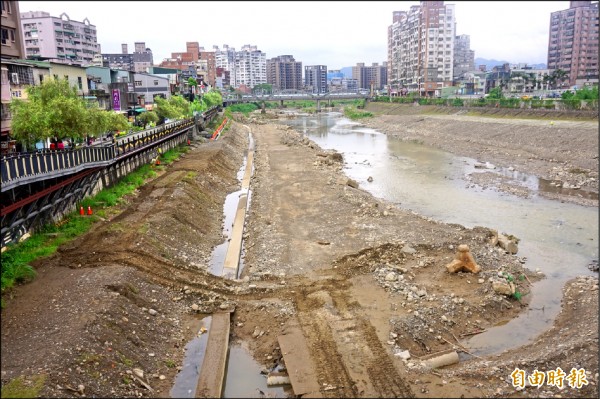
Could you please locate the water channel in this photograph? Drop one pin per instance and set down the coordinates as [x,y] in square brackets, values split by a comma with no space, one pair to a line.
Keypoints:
[559,239]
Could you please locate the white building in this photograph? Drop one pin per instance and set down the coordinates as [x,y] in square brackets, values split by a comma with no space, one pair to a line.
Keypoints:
[421,48]
[247,66]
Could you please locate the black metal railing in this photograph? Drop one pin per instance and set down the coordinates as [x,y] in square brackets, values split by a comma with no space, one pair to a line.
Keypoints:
[25,167]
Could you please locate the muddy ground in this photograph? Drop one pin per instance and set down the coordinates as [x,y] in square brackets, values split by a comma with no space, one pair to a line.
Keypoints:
[363,280]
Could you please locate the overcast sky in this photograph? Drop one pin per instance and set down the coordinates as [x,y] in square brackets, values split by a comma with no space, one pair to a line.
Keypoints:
[333,33]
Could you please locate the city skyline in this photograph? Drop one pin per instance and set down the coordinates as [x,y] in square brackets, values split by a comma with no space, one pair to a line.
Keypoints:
[336,34]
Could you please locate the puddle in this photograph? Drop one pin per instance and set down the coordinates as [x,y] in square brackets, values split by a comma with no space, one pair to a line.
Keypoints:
[244,379]
[217,259]
[187,379]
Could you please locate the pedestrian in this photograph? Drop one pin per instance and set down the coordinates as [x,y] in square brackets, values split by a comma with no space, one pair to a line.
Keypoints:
[61,145]
[52,145]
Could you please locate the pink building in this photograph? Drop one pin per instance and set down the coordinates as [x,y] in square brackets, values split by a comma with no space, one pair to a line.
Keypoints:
[573,42]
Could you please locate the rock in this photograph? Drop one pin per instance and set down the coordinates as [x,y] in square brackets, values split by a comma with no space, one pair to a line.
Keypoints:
[370,179]
[195,307]
[507,244]
[463,261]
[391,276]
[404,355]
[503,288]
[138,372]
[224,306]
[161,377]
[352,183]
[152,312]
[408,250]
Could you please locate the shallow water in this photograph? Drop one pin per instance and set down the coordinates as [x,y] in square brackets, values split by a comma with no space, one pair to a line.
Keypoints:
[559,239]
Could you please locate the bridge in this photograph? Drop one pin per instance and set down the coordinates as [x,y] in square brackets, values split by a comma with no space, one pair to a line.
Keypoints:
[295,96]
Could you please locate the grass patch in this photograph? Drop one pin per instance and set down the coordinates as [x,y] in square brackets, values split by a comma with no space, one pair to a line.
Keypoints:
[173,154]
[17,258]
[21,387]
[354,114]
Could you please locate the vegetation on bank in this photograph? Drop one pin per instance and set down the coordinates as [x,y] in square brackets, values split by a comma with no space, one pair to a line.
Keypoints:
[17,258]
[585,98]
[53,110]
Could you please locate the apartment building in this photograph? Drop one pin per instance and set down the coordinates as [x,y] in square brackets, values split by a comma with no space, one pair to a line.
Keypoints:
[139,61]
[250,66]
[208,62]
[58,39]
[421,48]
[370,77]
[573,42]
[315,78]
[464,57]
[12,38]
[225,59]
[284,73]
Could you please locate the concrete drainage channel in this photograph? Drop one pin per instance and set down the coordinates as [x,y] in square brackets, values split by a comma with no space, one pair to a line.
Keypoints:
[211,368]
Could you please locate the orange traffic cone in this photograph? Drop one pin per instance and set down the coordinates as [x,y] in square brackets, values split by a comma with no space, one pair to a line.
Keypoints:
[89,210]
[81,211]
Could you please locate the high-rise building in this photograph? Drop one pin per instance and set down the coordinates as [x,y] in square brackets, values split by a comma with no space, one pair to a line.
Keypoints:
[421,48]
[250,67]
[284,73]
[573,42]
[12,38]
[139,61]
[370,77]
[58,39]
[315,78]
[464,57]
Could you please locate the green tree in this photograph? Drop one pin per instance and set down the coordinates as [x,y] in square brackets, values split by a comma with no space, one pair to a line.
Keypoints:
[213,98]
[146,117]
[53,109]
[495,93]
[263,88]
[192,82]
[99,121]
[175,107]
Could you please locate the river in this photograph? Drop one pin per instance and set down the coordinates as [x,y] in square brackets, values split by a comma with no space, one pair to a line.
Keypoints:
[557,239]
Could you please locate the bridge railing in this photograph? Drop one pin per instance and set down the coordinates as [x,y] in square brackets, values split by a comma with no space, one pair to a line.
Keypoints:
[22,168]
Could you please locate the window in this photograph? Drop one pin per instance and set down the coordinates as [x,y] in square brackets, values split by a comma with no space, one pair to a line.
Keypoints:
[41,78]
[138,83]
[80,83]
[156,83]
[6,8]
[8,36]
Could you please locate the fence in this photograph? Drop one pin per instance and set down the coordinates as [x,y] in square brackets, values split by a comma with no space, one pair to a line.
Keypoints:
[22,168]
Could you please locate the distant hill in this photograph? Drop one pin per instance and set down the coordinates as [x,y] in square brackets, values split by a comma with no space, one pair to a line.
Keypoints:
[489,64]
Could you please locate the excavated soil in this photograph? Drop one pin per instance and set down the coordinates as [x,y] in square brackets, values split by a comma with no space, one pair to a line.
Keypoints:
[362,280]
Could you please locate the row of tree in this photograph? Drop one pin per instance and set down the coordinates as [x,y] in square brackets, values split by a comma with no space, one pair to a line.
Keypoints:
[53,109]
